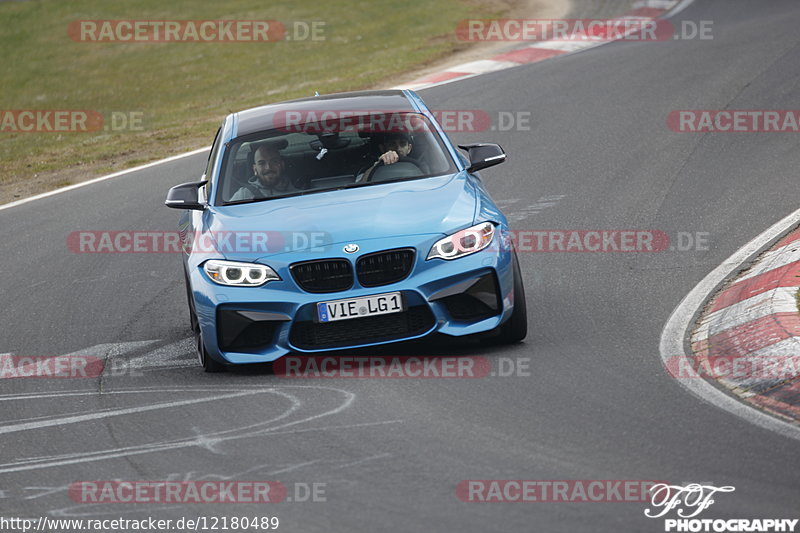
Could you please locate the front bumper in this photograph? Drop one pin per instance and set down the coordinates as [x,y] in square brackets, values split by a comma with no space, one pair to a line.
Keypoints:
[472,294]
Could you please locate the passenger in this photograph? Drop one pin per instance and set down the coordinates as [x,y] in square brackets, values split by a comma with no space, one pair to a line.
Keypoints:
[269,176]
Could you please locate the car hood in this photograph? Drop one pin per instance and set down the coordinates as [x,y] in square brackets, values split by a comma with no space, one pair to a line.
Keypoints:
[437,205]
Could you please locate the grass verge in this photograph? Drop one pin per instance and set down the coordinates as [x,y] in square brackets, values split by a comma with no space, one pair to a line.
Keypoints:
[181,90]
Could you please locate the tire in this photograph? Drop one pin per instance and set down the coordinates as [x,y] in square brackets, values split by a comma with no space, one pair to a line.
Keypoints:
[193,323]
[515,329]
[209,365]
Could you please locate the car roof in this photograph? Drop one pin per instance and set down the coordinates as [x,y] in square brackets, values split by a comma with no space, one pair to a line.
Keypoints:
[261,118]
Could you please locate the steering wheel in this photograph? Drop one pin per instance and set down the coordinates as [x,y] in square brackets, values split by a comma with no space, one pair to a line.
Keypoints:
[381,165]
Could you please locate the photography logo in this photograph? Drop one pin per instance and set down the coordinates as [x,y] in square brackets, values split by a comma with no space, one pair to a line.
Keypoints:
[691,500]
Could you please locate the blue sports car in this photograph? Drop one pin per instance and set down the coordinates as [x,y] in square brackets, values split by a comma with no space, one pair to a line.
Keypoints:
[343,221]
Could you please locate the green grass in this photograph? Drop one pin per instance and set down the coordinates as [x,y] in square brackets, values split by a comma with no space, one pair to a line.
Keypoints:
[797,300]
[183,90]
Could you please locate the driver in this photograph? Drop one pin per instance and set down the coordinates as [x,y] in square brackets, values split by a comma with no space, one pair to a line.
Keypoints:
[394,146]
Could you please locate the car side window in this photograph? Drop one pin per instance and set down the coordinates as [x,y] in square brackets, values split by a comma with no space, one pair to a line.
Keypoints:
[212,156]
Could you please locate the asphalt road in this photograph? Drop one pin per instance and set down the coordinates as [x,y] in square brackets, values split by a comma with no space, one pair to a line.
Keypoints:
[597,403]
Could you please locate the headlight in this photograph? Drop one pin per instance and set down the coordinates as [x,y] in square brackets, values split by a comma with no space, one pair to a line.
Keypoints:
[465,242]
[239,274]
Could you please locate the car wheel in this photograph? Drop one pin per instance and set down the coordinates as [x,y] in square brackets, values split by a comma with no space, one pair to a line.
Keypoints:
[208,364]
[516,328]
[192,315]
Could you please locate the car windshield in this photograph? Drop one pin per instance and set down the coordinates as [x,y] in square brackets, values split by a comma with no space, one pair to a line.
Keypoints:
[320,156]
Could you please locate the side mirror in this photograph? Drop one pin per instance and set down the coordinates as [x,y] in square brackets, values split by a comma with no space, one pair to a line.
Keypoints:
[483,155]
[185,196]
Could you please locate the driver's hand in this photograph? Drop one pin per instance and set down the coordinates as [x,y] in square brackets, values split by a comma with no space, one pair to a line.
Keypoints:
[389,157]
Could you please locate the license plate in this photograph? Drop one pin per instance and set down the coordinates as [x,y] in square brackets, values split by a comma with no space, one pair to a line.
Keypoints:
[379,304]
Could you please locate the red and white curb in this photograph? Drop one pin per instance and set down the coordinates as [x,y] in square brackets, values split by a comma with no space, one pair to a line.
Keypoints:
[643,10]
[755,320]
[683,322]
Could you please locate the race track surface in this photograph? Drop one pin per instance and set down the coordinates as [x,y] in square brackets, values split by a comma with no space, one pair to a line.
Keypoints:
[597,403]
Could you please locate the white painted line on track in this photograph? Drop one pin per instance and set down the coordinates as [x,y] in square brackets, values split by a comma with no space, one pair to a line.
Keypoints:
[103,178]
[565,46]
[262,428]
[680,7]
[682,319]
[658,4]
[483,66]
[108,413]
